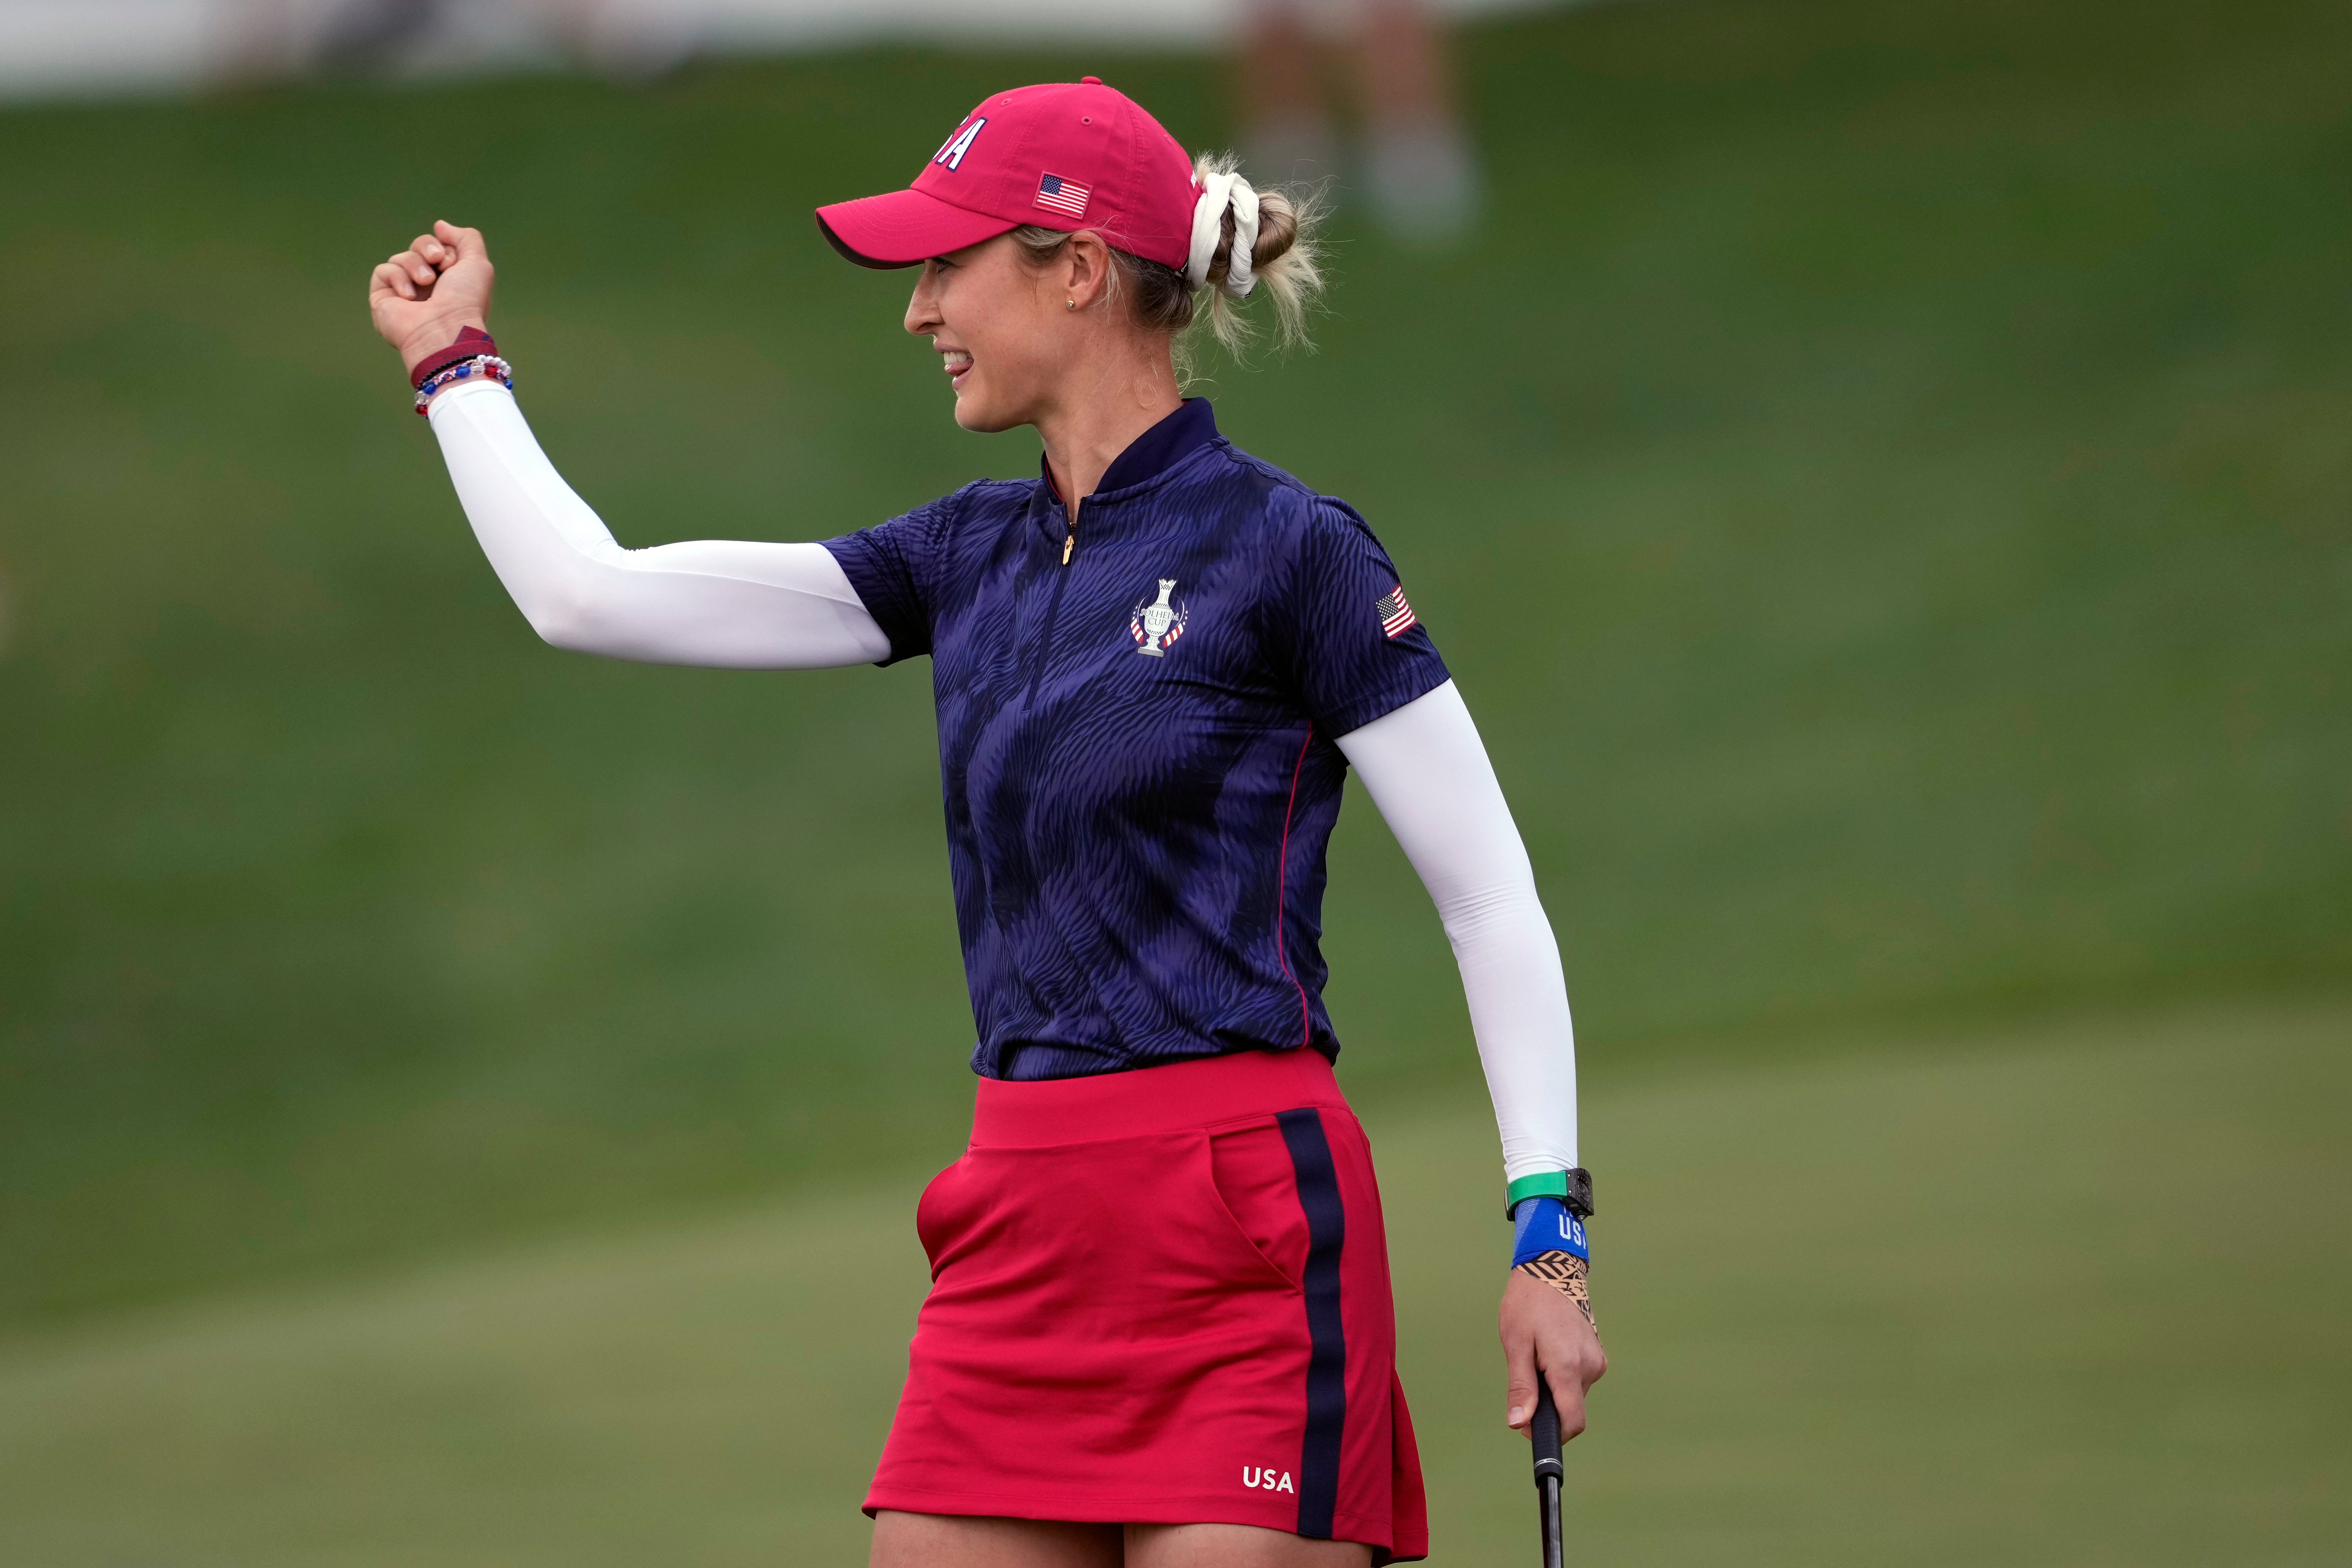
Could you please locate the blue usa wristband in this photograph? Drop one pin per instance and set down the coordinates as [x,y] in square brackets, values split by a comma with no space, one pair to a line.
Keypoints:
[1544,1224]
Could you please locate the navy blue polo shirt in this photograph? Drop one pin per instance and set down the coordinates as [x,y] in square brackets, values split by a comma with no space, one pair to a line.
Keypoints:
[1137,748]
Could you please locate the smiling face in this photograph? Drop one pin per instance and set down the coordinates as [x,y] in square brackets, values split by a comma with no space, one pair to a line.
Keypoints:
[1004,336]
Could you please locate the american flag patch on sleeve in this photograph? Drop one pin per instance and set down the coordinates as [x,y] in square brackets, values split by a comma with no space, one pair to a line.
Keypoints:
[1063,195]
[1396,616]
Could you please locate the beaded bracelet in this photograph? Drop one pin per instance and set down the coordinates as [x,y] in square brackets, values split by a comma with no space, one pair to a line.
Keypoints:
[486,366]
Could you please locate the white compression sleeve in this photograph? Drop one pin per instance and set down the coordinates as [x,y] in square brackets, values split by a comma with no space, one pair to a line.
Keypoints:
[1428,772]
[728,604]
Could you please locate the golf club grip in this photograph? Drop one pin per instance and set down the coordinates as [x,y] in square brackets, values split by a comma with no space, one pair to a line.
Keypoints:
[1545,1430]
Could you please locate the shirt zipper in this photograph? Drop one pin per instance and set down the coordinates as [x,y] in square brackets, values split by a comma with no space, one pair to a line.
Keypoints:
[1053,616]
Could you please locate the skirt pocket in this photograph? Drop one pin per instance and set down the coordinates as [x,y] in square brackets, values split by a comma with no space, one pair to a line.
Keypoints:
[943,1214]
[1256,1188]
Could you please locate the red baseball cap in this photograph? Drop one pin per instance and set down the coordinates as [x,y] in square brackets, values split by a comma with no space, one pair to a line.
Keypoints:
[1063,155]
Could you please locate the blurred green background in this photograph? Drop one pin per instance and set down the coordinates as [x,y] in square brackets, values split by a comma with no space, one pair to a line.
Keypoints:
[1881,475]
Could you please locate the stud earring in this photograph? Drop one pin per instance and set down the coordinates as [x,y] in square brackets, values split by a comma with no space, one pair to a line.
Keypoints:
[1073,304]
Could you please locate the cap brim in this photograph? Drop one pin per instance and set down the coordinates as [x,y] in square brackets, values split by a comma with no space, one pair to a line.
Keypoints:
[904,228]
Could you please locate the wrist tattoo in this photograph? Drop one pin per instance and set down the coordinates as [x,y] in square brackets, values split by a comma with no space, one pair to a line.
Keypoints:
[1566,1273]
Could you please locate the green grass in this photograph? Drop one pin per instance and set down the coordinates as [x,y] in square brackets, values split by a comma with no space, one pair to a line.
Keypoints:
[1880,478]
[2068,1295]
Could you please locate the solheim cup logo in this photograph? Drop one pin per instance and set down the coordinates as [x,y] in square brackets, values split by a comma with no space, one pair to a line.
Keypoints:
[1157,624]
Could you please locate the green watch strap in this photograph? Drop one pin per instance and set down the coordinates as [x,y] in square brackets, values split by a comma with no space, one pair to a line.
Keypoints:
[1574,1188]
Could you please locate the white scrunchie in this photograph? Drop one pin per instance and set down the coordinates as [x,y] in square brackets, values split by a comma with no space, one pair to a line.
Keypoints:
[1217,193]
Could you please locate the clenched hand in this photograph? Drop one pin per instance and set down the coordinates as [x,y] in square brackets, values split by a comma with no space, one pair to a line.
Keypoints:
[422,297]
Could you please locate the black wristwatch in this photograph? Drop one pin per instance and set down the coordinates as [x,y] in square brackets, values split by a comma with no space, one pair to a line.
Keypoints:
[1574,1188]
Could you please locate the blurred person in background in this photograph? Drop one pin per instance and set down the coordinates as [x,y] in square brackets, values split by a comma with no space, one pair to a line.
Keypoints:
[1160,1330]
[260,40]
[360,34]
[1417,163]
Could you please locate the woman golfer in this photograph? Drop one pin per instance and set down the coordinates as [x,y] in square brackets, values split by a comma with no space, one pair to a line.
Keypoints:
[1160,1330]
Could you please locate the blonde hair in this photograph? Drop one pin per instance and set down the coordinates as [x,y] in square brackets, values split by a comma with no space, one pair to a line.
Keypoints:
[1285,261]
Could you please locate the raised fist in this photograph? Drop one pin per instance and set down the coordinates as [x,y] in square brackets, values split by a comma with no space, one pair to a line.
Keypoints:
[424,296]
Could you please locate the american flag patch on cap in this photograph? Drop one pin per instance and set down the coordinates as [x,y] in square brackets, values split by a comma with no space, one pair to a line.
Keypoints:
[1396,616]
[1063,195]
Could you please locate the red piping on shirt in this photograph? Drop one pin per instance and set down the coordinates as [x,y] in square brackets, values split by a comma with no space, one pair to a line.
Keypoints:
[1282,891]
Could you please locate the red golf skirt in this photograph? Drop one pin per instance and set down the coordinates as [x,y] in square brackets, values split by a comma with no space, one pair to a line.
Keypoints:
[1161,1297]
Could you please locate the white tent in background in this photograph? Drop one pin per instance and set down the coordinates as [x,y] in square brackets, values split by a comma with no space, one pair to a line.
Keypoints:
[86,47]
